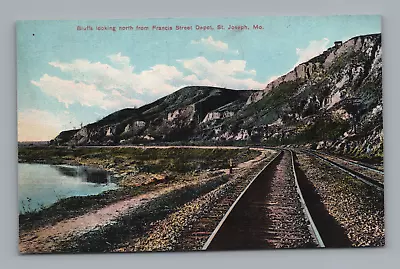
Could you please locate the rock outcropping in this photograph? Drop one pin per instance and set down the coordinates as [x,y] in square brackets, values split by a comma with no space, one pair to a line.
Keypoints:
[175,117]
[333,101]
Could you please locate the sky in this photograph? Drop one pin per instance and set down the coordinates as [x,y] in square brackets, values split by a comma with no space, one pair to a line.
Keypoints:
[68,77]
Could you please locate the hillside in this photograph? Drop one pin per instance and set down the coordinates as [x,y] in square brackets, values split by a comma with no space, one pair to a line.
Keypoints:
[333,101]
[175,117]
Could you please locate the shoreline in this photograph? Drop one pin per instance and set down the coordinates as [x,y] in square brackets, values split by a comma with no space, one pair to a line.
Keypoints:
[86,223]
[78,205]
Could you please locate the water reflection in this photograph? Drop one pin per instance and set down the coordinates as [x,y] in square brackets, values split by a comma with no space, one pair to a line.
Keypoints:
[87,174]
[67,170]
[41,185]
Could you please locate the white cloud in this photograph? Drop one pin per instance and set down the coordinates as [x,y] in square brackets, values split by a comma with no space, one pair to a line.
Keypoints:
[96,84]
[222,73]
[102,75]
[158,80]
[69,92]
[214,44]
[41,125]
[118,101]
[273,78]
[118,59]
[107,77]
[314,48]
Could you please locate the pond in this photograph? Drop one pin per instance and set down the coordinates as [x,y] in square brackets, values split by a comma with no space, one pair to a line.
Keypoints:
[41,185]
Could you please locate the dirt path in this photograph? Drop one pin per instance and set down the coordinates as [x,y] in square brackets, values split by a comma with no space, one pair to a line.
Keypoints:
[264,153]
[46,239]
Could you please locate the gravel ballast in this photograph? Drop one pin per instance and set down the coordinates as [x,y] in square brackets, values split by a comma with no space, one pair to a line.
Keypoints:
[357,207]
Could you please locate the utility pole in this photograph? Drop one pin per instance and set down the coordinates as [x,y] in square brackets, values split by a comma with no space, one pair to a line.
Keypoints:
[133,123]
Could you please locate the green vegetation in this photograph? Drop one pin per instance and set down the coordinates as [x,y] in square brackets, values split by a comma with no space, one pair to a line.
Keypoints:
[374,157]
[140,170]
[322,130]
[269,108]
[326,129]
[75,206]
[154,160]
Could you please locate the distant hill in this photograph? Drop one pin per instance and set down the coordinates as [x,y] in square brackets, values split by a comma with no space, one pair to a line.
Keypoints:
[32,143]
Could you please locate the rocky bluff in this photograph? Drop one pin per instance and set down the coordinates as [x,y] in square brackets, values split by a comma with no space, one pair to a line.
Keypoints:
[332,101]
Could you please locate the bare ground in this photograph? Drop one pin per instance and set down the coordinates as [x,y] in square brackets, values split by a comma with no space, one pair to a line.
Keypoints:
[357,207]
[66,235]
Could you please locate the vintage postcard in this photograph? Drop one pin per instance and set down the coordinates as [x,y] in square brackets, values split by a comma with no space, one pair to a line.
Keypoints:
[188,134]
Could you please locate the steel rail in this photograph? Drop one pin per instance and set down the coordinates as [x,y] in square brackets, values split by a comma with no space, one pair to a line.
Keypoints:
[367,180]
[312,227]
[214,233]
[352,162]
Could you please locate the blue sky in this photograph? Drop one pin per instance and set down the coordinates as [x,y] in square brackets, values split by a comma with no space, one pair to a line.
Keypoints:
[68,77]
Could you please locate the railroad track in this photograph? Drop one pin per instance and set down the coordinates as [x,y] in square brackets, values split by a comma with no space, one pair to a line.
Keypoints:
[365,166]
[269,213]
[364,178]
[198,232]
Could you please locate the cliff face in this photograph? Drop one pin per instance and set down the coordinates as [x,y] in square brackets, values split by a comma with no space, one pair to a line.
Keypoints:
[333,101]
[303,71]
[175,117]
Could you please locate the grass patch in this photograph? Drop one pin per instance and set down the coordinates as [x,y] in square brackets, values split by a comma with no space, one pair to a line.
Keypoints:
[154,160]
[131,164]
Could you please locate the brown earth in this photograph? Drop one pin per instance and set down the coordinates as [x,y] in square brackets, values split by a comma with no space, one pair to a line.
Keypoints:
[49,237]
